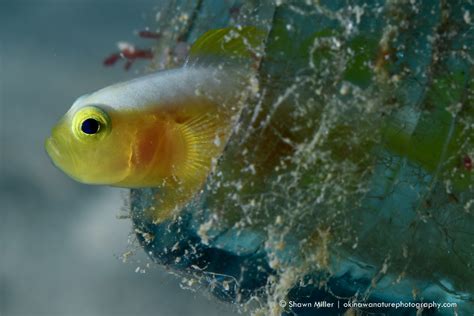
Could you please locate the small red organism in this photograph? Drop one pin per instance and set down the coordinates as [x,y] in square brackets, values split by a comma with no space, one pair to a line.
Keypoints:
[467,162]
[112,59]
[128,52]
[131,53]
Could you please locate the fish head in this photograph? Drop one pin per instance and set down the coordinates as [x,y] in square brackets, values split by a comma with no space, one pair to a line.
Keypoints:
[85,145]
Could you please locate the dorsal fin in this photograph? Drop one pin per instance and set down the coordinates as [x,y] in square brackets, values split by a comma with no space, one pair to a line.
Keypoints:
[239,44]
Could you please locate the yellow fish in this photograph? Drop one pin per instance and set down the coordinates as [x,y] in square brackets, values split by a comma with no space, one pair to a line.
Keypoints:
[162,130]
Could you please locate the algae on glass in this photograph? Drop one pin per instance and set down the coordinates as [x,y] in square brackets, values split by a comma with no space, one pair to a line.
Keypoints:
[348,176]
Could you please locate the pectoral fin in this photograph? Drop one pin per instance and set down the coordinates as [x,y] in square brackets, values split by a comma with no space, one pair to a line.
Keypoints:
[204,134]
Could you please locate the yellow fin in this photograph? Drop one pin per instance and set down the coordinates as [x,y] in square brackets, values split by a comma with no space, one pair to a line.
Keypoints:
[205,136]
[234,42]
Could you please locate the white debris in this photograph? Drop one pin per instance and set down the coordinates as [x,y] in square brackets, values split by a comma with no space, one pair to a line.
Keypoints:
[202,232]
[344,88]
[358,12]
[217,141]
[467,17]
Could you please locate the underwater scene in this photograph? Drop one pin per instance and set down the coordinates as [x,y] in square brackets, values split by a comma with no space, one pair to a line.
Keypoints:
[305,157]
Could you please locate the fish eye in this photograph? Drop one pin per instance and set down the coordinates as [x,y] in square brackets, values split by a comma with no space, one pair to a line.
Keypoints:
[91,123]
[90,126]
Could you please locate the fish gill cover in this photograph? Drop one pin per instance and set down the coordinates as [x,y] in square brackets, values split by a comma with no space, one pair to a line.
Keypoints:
[348,178]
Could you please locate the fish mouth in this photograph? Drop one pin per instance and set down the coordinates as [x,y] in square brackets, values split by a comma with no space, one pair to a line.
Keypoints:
[51,148]
[55,153]
[61,160]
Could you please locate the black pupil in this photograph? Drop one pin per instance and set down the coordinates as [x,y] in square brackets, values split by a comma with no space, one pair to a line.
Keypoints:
[90,126]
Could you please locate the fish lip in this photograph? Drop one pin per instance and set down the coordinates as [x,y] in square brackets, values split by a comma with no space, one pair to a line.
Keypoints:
[52,148]
[57,157]
[54,152]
